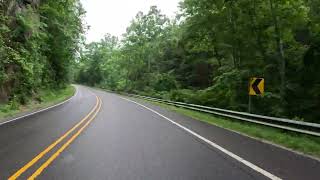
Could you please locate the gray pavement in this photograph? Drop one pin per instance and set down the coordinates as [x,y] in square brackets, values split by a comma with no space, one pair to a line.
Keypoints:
[127,141]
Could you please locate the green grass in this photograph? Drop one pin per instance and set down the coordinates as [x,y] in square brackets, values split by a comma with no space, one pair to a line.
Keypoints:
[306,144]
[45,98]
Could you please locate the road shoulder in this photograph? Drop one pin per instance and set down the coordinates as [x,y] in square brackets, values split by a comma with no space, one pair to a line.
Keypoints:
[276,160]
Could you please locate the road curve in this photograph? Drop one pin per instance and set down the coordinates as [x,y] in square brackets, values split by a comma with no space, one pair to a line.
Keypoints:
[103,136]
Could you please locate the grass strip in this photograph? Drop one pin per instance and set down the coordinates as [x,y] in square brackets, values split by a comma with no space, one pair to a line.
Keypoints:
[45,98]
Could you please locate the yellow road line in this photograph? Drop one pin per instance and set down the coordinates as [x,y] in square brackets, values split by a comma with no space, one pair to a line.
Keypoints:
[44,152]
[57,153]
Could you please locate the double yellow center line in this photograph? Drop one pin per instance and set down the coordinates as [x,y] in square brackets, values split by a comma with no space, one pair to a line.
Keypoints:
[83,123]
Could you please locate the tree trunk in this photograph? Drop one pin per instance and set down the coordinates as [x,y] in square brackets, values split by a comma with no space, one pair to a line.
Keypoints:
[257,32]
[282,61]
[235,53]
[217,55]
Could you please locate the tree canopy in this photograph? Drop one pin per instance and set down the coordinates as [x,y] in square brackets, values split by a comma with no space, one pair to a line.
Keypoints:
[207,54]
[38,44]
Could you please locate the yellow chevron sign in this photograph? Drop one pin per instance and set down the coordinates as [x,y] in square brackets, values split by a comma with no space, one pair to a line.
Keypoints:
[256,86]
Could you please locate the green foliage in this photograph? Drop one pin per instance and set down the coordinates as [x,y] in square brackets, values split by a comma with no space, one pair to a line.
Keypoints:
[44,98]
[163,82]
[207,54]
[38,44]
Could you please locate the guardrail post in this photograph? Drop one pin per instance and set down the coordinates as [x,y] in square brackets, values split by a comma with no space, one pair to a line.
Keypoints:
[249,104]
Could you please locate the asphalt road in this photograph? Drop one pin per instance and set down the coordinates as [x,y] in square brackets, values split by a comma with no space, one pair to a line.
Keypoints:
[99,135]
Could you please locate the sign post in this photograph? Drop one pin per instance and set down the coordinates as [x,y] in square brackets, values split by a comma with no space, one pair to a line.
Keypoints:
[256,87]
[249,104]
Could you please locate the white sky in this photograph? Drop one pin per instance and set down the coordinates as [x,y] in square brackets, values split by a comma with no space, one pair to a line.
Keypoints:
[114,16]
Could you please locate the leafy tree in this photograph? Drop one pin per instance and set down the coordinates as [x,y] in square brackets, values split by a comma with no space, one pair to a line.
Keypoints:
[38,43]
[208,52]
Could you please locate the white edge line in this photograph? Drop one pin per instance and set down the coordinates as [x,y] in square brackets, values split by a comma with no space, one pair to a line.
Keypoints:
[41,110]
[234,156]
[254,138]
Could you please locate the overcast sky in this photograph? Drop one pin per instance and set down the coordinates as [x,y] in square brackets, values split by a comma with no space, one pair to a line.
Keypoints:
[114,16]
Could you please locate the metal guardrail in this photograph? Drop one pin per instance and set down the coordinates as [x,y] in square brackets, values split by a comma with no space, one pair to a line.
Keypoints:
[280,123]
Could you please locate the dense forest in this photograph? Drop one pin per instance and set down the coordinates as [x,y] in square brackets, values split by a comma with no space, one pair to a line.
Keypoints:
[204,55]
[38,44]
[208,52]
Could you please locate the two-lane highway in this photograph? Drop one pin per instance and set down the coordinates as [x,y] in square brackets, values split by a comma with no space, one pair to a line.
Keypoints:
[25,141]
[99,135]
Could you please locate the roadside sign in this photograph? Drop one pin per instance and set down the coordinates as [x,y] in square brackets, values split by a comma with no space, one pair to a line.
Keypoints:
[256,86]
